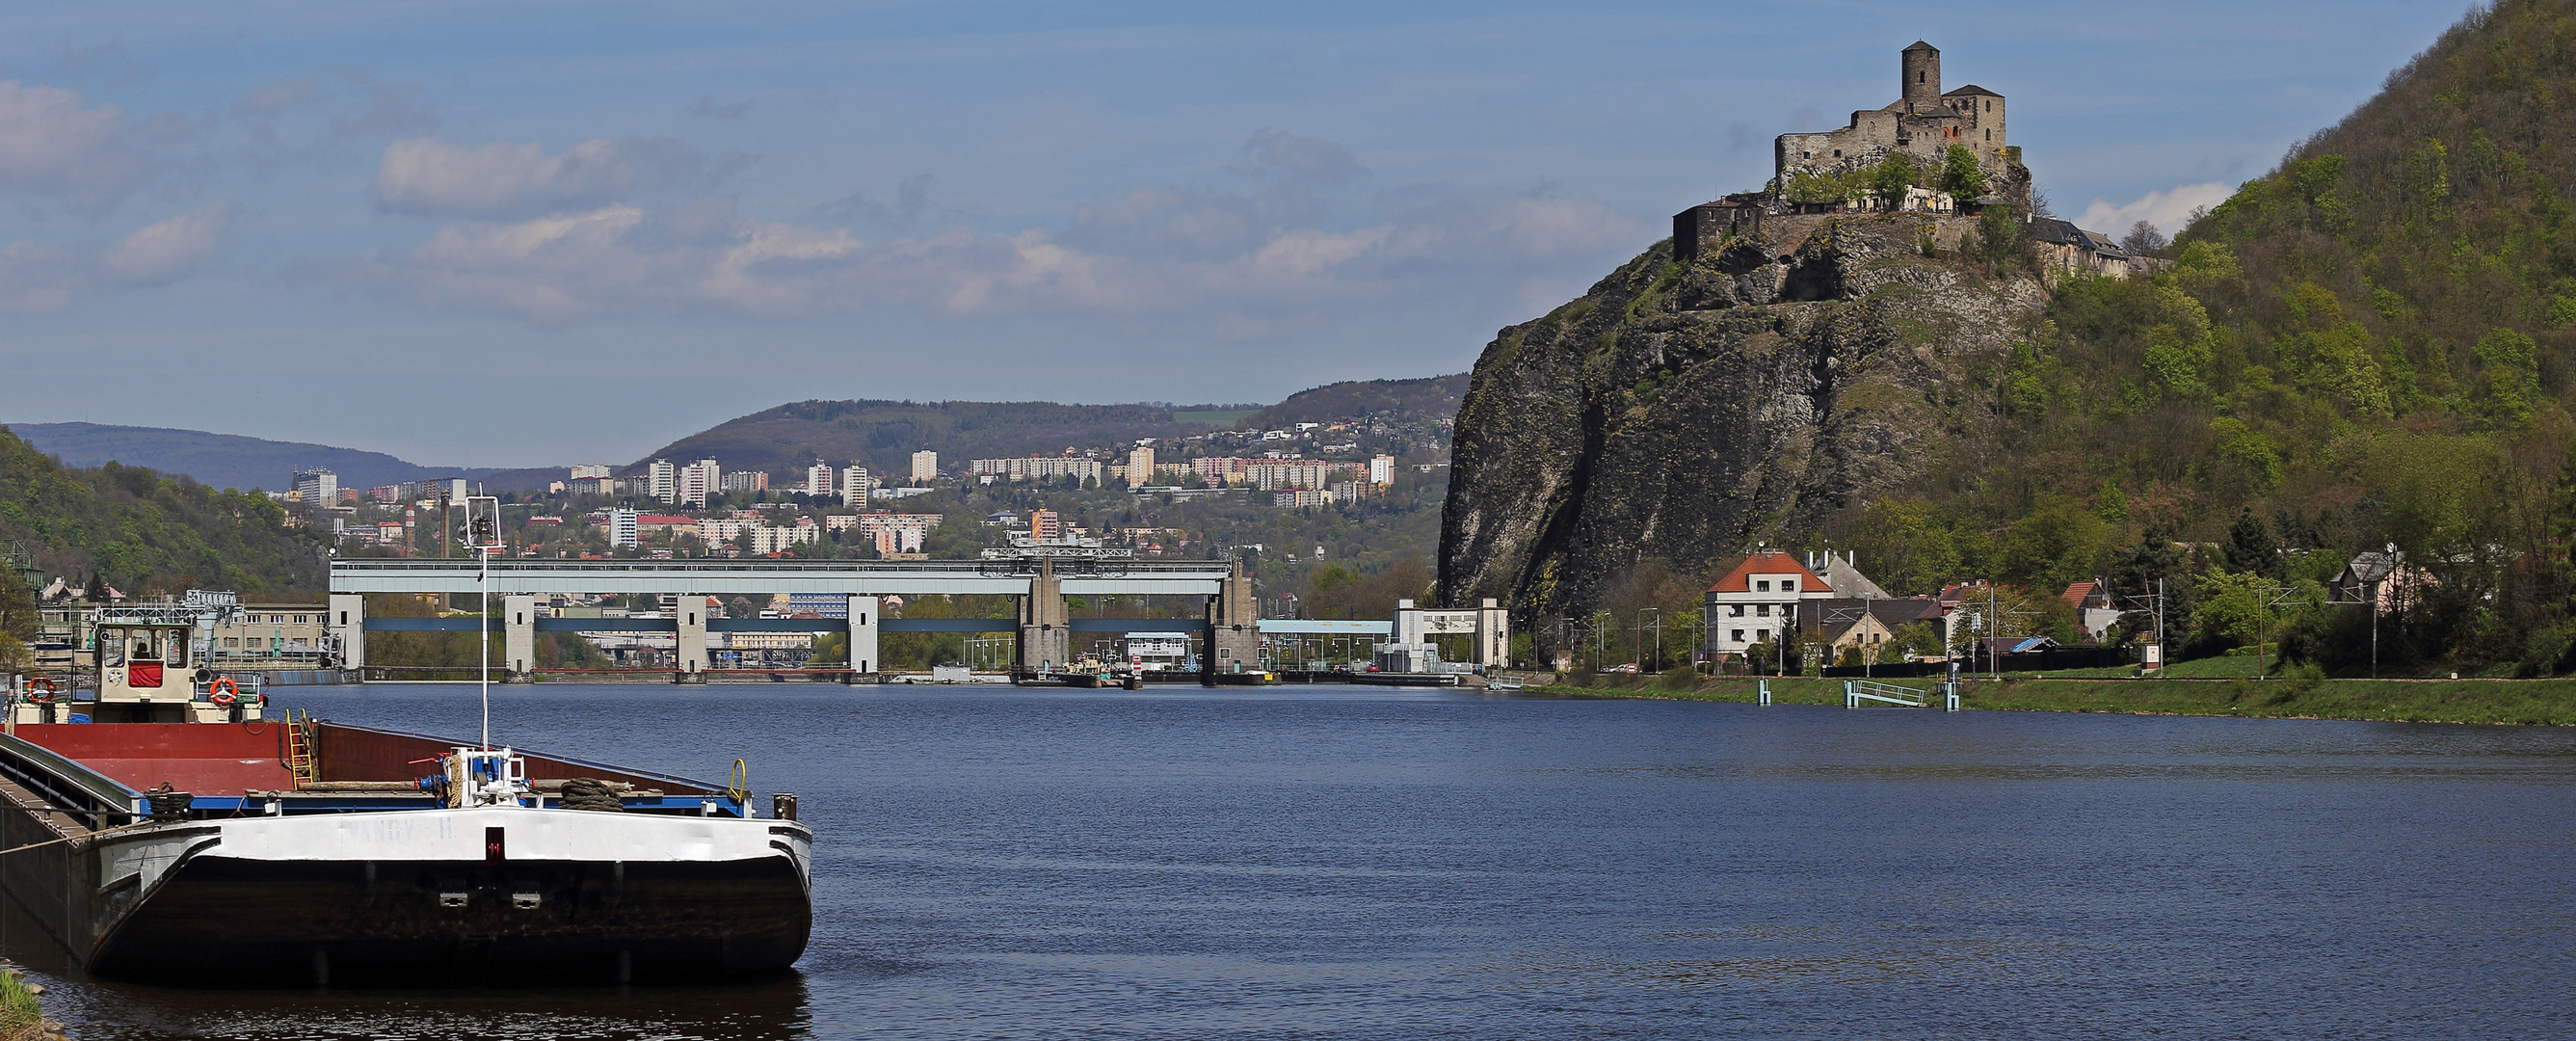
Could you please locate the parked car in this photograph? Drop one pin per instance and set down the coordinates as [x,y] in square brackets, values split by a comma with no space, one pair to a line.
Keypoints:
[1630,668]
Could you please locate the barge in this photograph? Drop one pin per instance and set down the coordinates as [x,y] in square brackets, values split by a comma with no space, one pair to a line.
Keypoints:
[171,831]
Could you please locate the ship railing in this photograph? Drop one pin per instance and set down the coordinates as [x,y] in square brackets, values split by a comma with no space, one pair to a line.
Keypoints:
[92,798]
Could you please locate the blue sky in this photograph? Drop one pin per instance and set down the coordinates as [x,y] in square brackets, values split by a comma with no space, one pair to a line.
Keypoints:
[529,234]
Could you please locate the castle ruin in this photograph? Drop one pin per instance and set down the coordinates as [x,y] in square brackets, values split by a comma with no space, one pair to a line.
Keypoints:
[1923,123]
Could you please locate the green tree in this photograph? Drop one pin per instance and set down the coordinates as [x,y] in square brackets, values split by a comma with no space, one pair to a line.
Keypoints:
[2250,546]
[2057,544]
[17,620]
[2513,375]
[1961,177]
[1891,178]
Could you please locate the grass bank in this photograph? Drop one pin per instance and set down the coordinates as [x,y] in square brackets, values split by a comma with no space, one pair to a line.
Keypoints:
[2537,702]
[21,1018]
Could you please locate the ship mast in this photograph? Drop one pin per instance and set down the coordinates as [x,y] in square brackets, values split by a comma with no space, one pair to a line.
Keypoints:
[484,541]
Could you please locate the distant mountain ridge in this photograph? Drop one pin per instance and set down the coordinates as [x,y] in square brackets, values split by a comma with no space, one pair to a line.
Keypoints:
[225,460]
[782,440]
[884,434]
[1354,398]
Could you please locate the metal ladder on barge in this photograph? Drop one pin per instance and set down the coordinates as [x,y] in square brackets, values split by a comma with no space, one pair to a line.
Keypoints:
[300,761]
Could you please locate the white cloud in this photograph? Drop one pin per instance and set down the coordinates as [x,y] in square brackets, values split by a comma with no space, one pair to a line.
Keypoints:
[52,141]
[428,175]
[47,276]
[165,250]
[2167,210]
[560,268]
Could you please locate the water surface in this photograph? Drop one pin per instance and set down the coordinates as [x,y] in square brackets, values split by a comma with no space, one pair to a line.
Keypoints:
[1321,862]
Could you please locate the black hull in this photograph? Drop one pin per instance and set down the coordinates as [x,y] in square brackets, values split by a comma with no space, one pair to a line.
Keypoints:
[229,922]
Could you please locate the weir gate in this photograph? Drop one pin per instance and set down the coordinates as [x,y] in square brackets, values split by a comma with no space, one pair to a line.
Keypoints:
[1230,624]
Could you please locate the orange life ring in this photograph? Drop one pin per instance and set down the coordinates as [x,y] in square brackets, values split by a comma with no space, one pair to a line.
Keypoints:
[223,692]
[40,689]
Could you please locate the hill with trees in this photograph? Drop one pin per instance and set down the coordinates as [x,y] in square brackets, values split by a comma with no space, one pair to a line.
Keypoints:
[144,532]
[2372,344]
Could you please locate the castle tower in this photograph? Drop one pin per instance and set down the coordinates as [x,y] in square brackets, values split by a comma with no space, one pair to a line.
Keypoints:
[1922,86]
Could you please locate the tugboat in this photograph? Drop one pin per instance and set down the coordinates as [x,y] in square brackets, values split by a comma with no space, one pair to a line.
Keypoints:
[169,831]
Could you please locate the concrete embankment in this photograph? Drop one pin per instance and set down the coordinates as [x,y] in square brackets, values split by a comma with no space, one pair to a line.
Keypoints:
[2528,702]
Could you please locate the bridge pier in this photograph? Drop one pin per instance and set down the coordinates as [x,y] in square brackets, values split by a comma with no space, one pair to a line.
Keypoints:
[1233,628]
[1046,633]
[690,654]
[863,637]
[518,639]
[348,621]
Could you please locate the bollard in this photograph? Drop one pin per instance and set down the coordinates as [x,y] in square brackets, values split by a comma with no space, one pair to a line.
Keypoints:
[782,805]
[1766,691]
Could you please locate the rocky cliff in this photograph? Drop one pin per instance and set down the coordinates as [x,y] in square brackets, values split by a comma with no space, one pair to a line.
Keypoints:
[1689,411]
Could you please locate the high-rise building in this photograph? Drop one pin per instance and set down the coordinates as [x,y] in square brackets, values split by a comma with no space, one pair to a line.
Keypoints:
[317,487]
[855,485]
[744,481]
[818,479]
[925,466]
[661,481]
[1382,470]
[621,530]
[698,482]
[1140,466]
[589,471]
[1044,524]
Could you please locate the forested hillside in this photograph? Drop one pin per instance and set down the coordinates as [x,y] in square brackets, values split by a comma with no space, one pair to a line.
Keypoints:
[144,532]
[2372,344]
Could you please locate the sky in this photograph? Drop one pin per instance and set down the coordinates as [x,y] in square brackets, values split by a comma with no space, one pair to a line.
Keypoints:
[523,234]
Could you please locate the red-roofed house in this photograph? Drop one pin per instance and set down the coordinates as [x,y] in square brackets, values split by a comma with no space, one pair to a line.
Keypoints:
[2093,608]
[1758,599]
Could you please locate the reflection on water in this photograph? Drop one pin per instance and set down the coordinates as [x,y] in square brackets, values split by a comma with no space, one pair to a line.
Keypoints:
[1365,862]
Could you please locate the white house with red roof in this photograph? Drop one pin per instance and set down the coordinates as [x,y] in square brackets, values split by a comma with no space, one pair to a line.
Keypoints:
[1758,600]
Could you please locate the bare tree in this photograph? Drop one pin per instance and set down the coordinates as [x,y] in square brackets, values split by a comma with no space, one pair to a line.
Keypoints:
[2142,239]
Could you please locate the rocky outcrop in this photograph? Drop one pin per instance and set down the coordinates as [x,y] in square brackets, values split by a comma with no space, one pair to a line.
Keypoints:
[1688,412]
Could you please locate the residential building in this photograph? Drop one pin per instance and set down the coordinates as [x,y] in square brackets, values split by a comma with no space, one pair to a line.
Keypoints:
[1140,465]
[1219,469]
[385,494]
[1381,470]
[1757,601]
[317,487]
[623,531]
[697,482]
[818,605]
[1038,468]
[589,471]
[736,482]
[600,486]
[1842,576]
[1044,524]
[1846,622]
[925,466]
[1294,497]
[661,480]
[819,479]
[855,485]
[2094,610]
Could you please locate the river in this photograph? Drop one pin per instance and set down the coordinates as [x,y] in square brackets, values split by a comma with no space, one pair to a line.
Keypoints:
[1359,862]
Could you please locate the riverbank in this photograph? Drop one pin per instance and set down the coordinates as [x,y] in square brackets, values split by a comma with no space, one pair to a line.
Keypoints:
[2525,702]
[21,1018]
